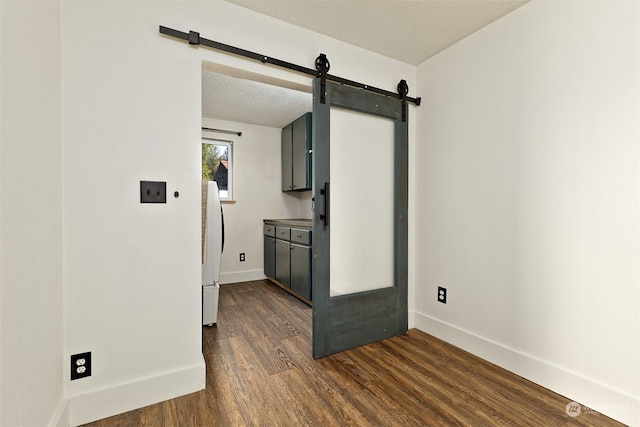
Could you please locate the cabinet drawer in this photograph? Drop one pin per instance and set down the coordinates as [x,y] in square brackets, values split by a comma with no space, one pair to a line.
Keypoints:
[299,235]
[269,230]
[283,233]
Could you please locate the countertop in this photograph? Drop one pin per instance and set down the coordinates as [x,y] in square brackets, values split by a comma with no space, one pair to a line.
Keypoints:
[294,222]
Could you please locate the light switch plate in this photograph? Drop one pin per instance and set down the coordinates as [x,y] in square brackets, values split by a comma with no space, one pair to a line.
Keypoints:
[153,192]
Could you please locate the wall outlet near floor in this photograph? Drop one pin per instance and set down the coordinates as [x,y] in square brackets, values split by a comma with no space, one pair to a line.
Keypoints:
[80,365]
[442,294]
[241,256]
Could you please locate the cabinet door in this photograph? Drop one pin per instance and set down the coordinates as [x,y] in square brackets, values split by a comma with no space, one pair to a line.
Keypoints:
[287,157]
[269,256]
[301,270]
[283,263]
[300,148]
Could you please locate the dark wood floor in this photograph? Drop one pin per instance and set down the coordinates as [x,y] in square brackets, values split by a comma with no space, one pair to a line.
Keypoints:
[260,373]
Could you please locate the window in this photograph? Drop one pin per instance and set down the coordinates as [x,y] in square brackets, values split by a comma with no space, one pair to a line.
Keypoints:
[217,157]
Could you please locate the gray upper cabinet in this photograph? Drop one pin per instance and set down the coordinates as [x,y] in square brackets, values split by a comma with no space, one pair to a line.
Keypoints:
[301,147]
[287,158]
[296,155]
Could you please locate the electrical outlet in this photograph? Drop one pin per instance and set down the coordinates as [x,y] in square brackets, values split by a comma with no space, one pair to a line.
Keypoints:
[442,294]
[80,365]
[241,256]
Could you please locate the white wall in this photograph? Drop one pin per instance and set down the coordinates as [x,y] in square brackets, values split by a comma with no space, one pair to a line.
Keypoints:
[132,283]
[257,193]
[30,214]
[527,198]
[131,102]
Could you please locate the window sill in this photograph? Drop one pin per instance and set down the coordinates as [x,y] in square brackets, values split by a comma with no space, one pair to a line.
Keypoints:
[228,202]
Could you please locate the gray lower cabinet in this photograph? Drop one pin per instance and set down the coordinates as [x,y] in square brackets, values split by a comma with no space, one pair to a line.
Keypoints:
[301,270]
[287,258]
[269,256]
[283,262]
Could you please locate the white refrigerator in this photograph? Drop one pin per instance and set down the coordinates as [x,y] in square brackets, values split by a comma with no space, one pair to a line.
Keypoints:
[212,246]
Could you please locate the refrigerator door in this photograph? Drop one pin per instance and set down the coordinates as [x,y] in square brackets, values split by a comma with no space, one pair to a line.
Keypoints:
[212,237]
[212,252]
[210,295]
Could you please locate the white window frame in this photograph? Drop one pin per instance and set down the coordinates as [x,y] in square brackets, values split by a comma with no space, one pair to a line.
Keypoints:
[225,196]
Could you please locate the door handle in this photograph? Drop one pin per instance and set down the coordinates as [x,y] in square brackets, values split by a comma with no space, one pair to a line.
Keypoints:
[324,216]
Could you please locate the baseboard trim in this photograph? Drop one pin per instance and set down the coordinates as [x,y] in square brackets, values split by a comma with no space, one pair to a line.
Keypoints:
[613,403]
[411,320]
[106,402]
[61,416]
[241,276]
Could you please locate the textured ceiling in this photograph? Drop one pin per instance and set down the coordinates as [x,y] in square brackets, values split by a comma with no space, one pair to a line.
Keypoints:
[243,99]
[408,30]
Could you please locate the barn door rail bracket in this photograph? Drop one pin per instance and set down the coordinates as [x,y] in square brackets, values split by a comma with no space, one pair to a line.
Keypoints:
[403,89]
[193,38]
[322,67]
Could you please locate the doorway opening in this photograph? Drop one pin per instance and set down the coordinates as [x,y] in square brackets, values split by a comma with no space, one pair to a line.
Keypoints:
[339,311]
[248,111]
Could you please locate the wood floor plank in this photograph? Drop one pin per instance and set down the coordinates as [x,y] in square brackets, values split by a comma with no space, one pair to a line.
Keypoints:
[439,386]
[336,407]
[260,373]
[425,406]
